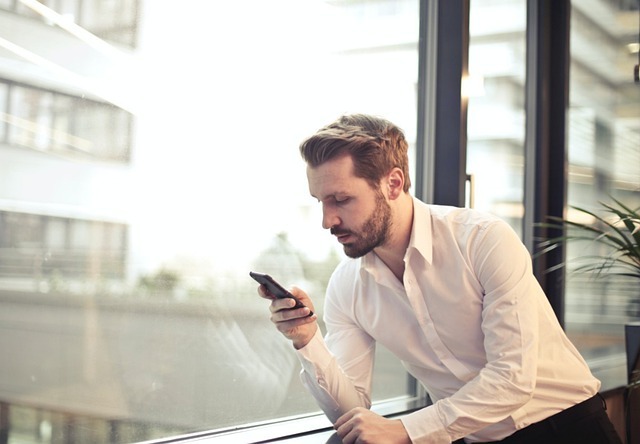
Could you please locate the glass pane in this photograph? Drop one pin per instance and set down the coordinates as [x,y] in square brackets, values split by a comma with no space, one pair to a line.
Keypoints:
[69,125]
[112,20]
[152,325]
[23,9]
[56,233]
[21,253]
[99,130]
[68,9]
[604,163]
[30,118]
[495,90]
[4,116]
[63,138]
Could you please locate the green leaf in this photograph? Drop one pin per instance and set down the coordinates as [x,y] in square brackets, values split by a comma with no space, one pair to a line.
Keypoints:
[617,232]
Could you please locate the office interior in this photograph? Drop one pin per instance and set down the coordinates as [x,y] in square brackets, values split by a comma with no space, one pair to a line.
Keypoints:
[149,160]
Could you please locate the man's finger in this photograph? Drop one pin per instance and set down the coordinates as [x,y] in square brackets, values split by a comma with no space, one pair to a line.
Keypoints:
[264,293]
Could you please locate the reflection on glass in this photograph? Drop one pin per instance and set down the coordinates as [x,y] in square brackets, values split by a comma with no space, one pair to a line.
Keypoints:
[604,162]
[138,186]
[496,130]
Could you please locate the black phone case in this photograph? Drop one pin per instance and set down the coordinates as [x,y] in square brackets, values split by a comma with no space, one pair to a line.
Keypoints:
[275,288]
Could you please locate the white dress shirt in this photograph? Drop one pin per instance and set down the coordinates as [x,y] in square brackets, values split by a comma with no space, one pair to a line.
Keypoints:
[469,321]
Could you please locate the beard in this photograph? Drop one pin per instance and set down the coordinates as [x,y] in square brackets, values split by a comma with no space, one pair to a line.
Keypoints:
[374,231]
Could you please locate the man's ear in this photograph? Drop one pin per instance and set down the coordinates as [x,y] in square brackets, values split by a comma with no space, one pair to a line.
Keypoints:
[395,183]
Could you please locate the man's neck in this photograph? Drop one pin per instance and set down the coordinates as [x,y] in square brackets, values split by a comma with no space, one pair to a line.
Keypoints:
[393,251]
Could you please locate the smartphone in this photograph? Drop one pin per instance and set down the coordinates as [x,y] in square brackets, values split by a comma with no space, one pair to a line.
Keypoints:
[275,288]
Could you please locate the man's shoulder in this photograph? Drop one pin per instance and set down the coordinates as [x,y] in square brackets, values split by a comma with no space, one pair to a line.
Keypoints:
[459,223]
[459,215]
[347,268]
[352,273]
[343,280]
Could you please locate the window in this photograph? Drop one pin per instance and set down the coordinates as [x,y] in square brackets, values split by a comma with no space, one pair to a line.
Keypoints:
[50,121]
[30,118]
[100,130]
[153,326]
[603,138]
[126,237]
[604,162]
[496,119]
[112,20]
[45,252]
[3,111]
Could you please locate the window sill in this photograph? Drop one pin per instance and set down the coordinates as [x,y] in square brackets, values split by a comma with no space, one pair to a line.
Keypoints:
[314,428]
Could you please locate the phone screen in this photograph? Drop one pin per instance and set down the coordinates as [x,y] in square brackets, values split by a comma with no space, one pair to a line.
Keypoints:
[275,288]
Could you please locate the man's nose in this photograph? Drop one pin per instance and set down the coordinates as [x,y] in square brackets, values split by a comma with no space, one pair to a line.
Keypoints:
[329,218]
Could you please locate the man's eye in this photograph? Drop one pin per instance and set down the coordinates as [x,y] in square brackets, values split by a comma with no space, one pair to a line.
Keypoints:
[342,200]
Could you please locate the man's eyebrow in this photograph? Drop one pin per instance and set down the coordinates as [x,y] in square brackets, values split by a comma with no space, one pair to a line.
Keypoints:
[328,196]
[334,196]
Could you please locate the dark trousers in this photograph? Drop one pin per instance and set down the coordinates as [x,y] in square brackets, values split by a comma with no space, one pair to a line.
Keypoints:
[584,423]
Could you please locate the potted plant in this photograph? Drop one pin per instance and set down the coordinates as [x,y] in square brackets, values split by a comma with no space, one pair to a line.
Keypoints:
[614,238]
[617,231]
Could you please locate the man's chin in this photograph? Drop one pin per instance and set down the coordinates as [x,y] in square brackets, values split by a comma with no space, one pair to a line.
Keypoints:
[354,252]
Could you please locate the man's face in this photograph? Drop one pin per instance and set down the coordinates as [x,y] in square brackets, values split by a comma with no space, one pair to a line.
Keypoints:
[356,214]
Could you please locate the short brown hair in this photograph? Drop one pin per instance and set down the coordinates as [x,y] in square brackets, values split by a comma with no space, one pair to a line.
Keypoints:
[375,145]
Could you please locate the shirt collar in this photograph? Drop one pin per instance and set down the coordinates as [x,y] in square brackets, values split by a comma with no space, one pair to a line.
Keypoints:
[421,231]
[421,239]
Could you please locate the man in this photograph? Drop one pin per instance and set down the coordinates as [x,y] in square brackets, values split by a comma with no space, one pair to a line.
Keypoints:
[449,291]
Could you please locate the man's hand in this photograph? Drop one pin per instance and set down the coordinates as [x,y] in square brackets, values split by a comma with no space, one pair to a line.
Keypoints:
[360,425]
[296,324]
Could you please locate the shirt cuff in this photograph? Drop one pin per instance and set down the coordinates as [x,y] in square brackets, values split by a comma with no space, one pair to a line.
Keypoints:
[315,356]
[424,426]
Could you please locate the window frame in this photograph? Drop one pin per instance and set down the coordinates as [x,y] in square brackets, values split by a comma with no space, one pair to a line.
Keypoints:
[442,61]
[441,147]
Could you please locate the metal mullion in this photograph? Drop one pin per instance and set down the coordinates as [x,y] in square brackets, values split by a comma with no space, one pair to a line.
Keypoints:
[441,128]
[547,92]
[441,143]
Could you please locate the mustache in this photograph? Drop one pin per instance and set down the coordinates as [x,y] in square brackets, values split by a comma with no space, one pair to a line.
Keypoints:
[339,231]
